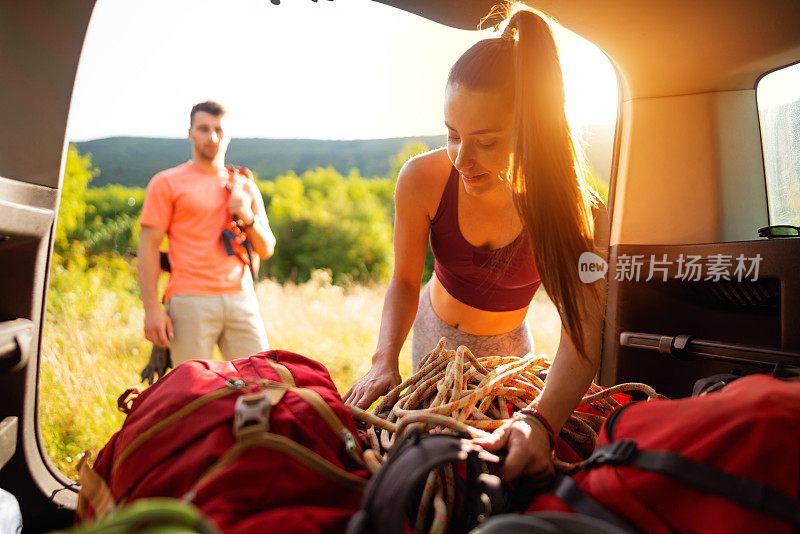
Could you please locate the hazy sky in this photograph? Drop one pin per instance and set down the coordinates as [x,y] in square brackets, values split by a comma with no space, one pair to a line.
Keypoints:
[347,69]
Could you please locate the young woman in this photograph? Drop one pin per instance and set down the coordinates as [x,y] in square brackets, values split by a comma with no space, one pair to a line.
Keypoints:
[507,208]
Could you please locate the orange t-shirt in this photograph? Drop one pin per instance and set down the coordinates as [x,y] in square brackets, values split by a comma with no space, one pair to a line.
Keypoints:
[191,206]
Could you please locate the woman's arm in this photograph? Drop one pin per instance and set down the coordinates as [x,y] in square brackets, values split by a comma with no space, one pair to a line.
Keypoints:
[567,382]
[412,222]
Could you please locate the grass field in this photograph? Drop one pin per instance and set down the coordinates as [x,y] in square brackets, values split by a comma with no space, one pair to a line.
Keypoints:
[93,347]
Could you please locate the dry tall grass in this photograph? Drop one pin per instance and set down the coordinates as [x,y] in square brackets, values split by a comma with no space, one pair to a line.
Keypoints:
[93,346]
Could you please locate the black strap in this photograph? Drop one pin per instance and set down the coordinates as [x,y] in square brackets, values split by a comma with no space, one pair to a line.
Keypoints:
[786,371]
[228,237]
[393,490]
[703,477]
[249,248]
[712,383]
[573,496]
[782,370]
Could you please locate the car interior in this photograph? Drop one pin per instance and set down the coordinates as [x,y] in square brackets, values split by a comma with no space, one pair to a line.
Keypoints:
[688,182]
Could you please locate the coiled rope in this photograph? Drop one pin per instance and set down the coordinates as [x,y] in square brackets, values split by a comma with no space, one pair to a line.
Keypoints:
[456,391]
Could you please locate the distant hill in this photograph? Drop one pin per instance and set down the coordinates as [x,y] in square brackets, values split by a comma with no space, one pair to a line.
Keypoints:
[132,161]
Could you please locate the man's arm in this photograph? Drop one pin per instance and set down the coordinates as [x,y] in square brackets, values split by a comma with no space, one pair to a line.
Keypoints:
[157,324]
[246,202]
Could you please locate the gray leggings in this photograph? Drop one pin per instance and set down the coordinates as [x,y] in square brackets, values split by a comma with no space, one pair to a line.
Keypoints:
[429,328]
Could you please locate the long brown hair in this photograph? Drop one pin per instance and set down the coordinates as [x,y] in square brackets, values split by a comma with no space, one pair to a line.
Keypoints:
[548,178]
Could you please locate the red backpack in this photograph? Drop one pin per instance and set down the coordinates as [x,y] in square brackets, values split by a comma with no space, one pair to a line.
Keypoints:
[257,444]
[728,461]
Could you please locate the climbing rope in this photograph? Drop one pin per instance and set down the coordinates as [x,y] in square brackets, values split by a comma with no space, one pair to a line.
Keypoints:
[456,391]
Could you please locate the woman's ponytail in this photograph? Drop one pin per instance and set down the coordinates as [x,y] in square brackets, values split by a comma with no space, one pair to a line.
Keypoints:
[548,180]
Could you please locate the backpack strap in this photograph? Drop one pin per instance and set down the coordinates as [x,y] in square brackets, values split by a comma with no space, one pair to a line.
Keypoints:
[240,170]
[566,489]
[394,489]
[745,492]
[94,491]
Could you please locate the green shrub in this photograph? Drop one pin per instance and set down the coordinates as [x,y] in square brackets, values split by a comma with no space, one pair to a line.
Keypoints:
[324,220]
[78,172]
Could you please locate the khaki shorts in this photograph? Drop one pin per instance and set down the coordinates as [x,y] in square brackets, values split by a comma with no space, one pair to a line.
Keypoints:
[201,321]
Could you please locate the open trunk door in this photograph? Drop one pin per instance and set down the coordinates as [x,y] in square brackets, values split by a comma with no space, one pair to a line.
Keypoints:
[40,44]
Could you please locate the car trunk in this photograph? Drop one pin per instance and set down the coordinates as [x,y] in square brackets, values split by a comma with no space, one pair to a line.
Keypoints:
[687,179]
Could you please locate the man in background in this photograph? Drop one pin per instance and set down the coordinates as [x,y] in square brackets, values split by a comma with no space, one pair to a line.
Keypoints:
[209,298]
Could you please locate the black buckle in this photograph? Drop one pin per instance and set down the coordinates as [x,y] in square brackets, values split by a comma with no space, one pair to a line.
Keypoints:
[616,453]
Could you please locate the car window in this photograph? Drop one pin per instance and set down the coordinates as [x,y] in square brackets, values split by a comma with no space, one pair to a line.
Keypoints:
[778,95]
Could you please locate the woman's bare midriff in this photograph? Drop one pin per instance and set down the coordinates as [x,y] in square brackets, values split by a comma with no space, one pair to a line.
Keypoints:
[472,320]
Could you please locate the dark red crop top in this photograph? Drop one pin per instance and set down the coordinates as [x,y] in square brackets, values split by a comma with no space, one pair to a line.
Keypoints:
[493,280]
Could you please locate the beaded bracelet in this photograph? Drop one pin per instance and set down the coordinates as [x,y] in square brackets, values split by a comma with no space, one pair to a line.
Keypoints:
[532,413]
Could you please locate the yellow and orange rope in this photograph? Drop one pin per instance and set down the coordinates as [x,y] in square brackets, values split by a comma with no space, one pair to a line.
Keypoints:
[454,390]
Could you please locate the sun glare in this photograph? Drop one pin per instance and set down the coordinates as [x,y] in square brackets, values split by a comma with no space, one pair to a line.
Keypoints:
[355,74]
[590,82]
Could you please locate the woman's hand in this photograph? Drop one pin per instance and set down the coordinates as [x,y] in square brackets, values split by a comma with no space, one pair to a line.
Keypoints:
[528,449]
[378,381]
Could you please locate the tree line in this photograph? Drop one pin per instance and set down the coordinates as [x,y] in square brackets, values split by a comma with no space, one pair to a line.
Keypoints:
[131,161]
